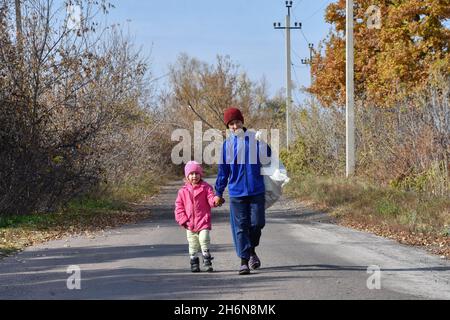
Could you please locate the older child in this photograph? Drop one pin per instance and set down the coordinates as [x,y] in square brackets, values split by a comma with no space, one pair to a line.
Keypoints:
[193,212]
[245,187]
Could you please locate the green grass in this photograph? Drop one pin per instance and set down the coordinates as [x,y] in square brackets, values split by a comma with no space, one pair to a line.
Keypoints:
[101,209]
[93,204]
[132,190]
[14,221]
[74,209]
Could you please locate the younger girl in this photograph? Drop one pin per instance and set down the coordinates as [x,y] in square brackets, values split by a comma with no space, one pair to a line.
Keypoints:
[193,212]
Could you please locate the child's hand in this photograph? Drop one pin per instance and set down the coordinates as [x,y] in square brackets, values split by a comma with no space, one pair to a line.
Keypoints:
[218,201]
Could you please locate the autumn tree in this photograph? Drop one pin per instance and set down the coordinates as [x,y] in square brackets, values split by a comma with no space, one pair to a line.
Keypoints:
[203,91]
[72,107]
[412,43]
[402,82]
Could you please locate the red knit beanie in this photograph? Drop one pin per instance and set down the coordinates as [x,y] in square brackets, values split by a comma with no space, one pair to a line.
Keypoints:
[231,114]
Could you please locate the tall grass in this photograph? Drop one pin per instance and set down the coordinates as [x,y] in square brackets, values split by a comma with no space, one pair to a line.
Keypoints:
[356,198]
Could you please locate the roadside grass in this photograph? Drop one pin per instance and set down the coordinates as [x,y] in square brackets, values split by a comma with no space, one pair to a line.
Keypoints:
[409,217]
[103,209]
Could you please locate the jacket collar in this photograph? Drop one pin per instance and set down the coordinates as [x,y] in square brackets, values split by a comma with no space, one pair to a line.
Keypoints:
[195,190]
[241,134]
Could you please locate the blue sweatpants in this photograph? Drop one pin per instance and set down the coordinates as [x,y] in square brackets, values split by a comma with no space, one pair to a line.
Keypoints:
[247,217]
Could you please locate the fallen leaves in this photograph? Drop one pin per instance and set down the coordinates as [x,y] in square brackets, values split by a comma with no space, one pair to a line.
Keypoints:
[439,245]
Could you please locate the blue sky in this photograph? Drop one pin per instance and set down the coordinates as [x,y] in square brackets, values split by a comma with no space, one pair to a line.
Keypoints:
[242,29]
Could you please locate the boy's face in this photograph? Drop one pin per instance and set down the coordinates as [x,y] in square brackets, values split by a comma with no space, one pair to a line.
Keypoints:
[194,177]
[235,125]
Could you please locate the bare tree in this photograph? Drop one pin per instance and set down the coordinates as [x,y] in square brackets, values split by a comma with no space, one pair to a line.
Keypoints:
[72,107]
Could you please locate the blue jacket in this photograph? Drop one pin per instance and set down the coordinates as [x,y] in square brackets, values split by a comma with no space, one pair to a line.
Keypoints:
[240,165]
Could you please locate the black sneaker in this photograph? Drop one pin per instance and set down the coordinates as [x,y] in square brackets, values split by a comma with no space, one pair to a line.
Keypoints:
[195,264]
[254,262]
[244,269]
[207,262]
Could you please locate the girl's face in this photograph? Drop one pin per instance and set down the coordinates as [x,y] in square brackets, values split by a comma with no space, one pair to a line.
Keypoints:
[235,125]
[194,178]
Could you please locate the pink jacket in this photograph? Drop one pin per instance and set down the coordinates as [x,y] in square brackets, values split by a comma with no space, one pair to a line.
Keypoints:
[193,206]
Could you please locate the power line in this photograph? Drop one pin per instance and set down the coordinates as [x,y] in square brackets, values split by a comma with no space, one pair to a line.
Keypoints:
[295,6]
[294,65]
[301,30]
[293,50]
[318,10]
[299,66]
[295,53]
[295,91]
[160,77]
[306,39]
[306,61]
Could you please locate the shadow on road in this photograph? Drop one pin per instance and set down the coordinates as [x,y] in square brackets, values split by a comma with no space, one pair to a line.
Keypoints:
[163,283]
[113,273]
[325,267]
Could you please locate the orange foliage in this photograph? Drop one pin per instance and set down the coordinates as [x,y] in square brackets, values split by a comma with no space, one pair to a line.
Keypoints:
[412,43]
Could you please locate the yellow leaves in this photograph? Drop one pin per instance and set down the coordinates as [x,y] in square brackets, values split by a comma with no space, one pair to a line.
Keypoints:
[335,13]
[402,52]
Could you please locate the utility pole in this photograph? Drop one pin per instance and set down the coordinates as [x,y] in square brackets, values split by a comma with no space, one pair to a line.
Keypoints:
[308,61]
[19,33]
[19,40]
[349,87]
[18,20]
[288,28]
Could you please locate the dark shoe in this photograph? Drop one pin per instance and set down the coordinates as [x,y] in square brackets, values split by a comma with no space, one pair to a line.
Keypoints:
[244,270]
[254,262]
[195,264]
[207,262]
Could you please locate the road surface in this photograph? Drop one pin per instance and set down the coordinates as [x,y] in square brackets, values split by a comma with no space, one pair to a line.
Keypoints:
[304,256]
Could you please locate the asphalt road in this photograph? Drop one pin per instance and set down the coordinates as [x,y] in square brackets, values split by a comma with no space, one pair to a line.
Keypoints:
[303,254]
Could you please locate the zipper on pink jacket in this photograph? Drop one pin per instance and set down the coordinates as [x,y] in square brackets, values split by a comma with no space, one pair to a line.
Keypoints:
[193,204]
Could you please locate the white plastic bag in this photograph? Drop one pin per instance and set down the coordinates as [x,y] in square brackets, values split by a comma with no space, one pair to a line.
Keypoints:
[274,181]
[275,178]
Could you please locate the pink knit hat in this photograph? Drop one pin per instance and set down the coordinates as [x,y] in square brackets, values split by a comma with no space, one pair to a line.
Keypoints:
[192,166]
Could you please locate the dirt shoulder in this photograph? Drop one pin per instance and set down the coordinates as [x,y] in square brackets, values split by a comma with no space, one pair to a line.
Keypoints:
[19,232]
[406,217]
